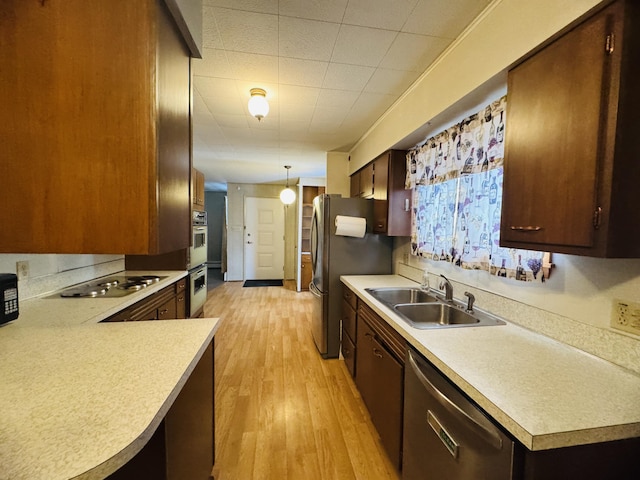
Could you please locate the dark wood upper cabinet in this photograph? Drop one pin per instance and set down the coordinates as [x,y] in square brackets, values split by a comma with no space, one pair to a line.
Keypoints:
[571,161]
[391,208]
[95,128]
[383,179]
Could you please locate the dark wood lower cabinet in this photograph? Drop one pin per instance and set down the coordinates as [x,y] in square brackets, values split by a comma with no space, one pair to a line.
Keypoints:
[380,379]
[183,446]
[168,303]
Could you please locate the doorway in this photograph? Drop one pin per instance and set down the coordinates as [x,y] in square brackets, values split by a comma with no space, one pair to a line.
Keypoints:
[263,238]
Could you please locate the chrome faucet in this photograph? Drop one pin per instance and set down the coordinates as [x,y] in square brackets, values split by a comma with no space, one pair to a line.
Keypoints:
[448,289]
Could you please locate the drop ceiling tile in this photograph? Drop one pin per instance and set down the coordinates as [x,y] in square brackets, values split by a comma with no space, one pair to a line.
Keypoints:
[234,121]
[325,10]
[214,63]
[388,14]
[223,104]
[296,95]
[307,39]
[362,45]
[443,19]
[334,115]
[343,99]
[299,113]
[373,105]
[210,34]
[247,31]
[211,87]
[304,73]
[393,82]
[347,77]
[254,67]
[260,6]
[413,52]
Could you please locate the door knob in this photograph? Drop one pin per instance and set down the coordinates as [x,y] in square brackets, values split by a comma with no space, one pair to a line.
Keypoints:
[249,242]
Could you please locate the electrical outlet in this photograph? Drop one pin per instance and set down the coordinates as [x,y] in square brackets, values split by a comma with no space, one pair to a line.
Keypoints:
[626,316]
[22,269]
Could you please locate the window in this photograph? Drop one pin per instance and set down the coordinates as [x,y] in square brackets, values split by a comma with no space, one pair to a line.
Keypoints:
[457,180]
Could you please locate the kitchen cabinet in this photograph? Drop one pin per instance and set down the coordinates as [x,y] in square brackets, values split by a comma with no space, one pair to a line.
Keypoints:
[570,176]
[94,127]
[183,446]
[383,179]
[380,377]
[197,189]
[362,182]
[349,329]
[168,303]
[391,207]
[306,271]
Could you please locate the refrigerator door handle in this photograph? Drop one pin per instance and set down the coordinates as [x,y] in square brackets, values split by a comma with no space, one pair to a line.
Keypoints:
[314,240]
[314,290]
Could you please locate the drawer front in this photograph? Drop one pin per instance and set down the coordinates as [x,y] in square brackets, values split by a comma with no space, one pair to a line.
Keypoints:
[181,286]
[349,353]
[348,320]
[349,297]
[167,310]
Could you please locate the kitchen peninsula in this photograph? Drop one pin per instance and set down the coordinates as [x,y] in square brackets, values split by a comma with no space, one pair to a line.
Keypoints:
[81,398]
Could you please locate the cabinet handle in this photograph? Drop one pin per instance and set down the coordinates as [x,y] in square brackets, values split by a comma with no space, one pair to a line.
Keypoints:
[369,336]
[162,312]
[526,229]
[406,204]
[377,353]
[181,299]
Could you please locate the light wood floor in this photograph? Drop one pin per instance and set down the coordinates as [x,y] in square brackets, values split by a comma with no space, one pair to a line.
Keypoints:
[281,411]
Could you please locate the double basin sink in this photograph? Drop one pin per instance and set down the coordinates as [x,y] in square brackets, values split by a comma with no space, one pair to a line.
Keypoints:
[426,310]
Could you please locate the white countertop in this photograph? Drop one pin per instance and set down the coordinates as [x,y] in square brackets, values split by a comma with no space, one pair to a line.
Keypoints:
[545,393]
[80,398]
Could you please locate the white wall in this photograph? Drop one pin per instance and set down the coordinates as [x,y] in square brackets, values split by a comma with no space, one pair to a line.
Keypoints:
[236,192]
[338,173]
[49,272]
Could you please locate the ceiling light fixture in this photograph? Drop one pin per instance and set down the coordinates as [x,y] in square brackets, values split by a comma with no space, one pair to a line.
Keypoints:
[258,105]
[287,196]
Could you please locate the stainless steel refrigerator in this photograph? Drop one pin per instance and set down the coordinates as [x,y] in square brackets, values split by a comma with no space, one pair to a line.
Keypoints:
[334,255]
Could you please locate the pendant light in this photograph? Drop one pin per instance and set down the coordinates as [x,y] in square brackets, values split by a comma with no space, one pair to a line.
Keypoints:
[258,105]
[287,196]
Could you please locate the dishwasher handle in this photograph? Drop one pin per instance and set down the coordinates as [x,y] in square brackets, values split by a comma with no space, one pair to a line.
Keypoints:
[489,435]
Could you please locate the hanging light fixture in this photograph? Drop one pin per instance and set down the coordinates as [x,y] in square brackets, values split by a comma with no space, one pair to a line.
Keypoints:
[287,196]
[258,105]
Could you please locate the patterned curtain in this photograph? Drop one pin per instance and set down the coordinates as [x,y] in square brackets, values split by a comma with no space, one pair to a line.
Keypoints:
[456,178]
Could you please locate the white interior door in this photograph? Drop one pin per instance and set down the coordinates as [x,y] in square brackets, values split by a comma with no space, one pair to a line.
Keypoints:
[263,238]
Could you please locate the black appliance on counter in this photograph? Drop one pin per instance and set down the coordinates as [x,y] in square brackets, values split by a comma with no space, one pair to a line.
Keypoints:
[9,296]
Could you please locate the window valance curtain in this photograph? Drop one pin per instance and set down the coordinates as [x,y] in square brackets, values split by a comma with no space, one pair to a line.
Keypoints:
[457,198]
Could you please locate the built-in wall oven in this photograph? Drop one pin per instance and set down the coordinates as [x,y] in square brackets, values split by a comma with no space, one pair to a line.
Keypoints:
[198,264]
[198,253]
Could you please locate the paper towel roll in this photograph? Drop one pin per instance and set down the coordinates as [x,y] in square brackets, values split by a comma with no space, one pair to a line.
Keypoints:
[351,226]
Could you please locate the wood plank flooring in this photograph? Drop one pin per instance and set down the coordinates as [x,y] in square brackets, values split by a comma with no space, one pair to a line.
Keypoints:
[282,412]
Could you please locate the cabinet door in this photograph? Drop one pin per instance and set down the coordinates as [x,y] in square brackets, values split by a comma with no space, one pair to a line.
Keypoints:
[380,204]
[366,181]
[80,119]
[181,299]
[553,150]
[355,184]
[306,271]
[379,378]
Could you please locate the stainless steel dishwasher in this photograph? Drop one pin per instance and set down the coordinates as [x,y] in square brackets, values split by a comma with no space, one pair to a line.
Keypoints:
[446,436]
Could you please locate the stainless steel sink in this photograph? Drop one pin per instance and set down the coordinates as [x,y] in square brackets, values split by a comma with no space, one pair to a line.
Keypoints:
[440,315]
[397,295]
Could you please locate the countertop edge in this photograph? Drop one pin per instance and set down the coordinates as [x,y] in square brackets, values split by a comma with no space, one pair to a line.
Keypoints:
[121,458]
